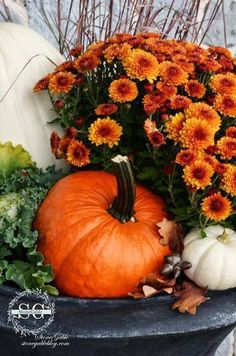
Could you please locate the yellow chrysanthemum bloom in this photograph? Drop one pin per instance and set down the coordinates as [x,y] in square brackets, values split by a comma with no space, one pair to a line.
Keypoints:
[172,73]
[123,90]
[141,65]
[226,104]
[78,154]
[105,131]
[61,82]
[117,51]
[174,126]
[216,207]
[226,147]
[86,62]
[198,174]
[228,182]
[203,111]
[224,83]
[195,89]
[197,134]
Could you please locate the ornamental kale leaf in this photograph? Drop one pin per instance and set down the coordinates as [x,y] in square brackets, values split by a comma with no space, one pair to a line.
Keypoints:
[21,193]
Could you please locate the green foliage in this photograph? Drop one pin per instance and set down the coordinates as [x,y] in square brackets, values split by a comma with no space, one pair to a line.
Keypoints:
[13,158]
[20,262]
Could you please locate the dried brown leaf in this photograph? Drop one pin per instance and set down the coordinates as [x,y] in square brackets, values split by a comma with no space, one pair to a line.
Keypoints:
[152,285]
[149,291]
[190,297]
[171,234]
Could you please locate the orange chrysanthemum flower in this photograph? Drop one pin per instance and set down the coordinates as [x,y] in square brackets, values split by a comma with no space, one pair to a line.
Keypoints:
[123,90]
[197,134]
[178,102]
[149,126]
[184,63]
[158,46]
[120,37]
[78,154]
[172,73]
[106,109]
[149,107]
[208,64]
[63,146]
[228,182]
[141,65]
[71,132]
[42,84]
[117,51]
[217,52]
[147,35]
[154,135]
[186,157]
[226,104]
[209,159]
[68,65]
[224,83]
[231,132]
[216,207]
[75,52]
[156,138]
[174,126]
[105,131]
[54,140]
[167,89]
[87,62]
[198,174]
[226,147]
[195,89]
[220,168]
[96,48]
[61,82]
[203,111]
[152,102]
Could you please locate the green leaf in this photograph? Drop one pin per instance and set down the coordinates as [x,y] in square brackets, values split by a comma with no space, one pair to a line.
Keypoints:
[51,290]
[13,158]
[148,173]
[203,234]
[57,120]
[35,257]
[4,252]
[27,275]
[21,194]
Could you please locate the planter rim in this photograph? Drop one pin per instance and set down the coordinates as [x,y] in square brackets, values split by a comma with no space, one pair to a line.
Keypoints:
[121,318]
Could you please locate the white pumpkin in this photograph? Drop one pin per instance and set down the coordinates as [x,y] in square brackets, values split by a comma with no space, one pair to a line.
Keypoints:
[213,258]
[24,114]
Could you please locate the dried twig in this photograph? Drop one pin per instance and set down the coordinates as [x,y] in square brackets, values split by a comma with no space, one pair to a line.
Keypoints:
[87,21]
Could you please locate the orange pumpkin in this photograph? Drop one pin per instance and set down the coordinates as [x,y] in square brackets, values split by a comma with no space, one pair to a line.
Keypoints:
[99,232]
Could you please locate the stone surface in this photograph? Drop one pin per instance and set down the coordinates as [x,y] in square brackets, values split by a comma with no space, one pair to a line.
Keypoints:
[126,327]
[228,346]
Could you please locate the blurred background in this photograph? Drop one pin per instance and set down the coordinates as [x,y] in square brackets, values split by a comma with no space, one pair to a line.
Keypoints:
[66,23]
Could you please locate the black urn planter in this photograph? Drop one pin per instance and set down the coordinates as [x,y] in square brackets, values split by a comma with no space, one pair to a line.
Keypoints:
[121,327]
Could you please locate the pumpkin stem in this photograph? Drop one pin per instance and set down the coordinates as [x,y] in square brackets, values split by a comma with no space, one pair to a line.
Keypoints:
[224,237]
[122,207]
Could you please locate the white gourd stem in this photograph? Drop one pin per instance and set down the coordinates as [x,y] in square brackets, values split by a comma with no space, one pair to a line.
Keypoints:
[224,238]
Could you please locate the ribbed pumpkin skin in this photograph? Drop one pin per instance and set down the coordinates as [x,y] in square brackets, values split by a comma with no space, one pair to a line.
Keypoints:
[92,253]
[25,115]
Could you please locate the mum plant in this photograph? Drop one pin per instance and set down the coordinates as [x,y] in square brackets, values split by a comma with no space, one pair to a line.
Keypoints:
[169,105]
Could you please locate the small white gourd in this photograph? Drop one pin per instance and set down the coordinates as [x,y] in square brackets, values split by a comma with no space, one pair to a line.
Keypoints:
[213,258]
